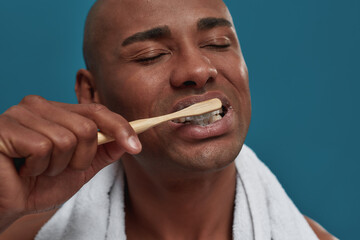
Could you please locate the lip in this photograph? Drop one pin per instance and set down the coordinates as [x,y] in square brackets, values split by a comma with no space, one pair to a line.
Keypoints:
[185,102]
[196,132]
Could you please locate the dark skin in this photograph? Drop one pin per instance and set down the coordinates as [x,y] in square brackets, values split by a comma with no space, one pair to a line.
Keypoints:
[181,175]
[137,69]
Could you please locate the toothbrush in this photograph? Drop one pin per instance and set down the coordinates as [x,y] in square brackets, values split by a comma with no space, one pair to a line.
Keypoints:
[142,125]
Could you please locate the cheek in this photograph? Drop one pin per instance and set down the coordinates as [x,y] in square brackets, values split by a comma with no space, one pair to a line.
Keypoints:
[235,71]
[133,93]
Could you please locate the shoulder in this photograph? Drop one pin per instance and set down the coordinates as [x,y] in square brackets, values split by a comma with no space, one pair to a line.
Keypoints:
[320,232]
[259,171]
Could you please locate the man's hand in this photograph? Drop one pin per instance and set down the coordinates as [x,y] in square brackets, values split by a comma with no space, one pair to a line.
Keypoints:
[59,142]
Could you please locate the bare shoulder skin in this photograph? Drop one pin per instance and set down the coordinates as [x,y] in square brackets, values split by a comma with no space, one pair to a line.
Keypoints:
[320,232]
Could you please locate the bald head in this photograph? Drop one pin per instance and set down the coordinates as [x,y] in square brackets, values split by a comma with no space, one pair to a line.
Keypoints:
[105,16]
[92,35]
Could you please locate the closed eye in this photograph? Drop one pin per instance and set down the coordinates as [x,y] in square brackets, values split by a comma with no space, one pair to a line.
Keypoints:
[149,60]
[219,46]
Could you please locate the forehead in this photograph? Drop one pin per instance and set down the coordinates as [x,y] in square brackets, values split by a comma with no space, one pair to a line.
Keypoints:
[129,16]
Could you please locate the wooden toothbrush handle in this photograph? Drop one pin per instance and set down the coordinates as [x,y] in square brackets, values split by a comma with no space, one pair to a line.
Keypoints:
[142,125]
[139,126]
[102,138]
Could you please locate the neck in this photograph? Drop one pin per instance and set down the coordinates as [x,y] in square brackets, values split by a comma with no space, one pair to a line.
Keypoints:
[197,206]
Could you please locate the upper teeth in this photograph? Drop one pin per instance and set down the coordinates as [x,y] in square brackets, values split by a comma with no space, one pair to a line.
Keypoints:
[202,120]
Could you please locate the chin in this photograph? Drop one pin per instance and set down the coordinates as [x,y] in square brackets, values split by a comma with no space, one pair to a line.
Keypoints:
[207,157]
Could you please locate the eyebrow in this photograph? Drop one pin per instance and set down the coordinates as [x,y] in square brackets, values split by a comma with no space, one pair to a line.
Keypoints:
[154,33]
[211,22]
[164,31]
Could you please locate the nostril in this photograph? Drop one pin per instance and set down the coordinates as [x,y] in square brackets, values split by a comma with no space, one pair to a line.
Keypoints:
[189,83]
[211,79]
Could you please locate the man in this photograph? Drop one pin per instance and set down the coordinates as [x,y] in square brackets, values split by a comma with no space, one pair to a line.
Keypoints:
[180,181]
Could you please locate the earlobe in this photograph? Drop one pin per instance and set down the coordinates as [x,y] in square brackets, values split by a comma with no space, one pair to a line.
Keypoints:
[85,88]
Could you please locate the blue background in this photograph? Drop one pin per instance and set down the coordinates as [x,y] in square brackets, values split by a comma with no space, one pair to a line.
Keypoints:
[303,59]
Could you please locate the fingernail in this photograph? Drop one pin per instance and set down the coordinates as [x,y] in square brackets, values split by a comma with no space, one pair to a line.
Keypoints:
[134,143]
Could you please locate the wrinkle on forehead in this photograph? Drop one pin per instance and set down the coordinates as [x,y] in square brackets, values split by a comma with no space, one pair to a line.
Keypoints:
[104,15]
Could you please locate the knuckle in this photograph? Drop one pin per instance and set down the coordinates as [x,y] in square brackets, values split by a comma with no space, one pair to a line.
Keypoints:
[5,119]
[123,132]
[32,99]
[43,148]
[7,125]
[96,107]
[87,130]
[66,142]
[124,129]
[14,110]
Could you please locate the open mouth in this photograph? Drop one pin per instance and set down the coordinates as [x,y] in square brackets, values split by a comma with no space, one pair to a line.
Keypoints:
[204,119]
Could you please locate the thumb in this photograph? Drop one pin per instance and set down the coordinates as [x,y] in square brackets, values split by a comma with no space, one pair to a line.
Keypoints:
[107,154]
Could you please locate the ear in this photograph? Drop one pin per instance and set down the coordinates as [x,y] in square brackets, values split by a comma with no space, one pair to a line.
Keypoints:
[85,88]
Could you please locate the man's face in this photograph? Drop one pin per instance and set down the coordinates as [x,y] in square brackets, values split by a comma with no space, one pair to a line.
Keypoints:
[160,56]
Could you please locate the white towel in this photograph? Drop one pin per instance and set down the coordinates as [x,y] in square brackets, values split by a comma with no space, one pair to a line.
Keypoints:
[263,211]
[273,214]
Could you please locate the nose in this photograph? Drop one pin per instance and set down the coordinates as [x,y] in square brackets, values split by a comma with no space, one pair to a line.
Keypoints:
[192,70]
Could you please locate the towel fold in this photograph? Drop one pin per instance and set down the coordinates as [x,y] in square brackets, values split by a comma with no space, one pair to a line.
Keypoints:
[263,211]
[274,215]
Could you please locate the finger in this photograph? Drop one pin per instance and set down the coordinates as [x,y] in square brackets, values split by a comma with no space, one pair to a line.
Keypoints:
[64,141]
[8,173]
[84,129]
[110,123]
[17,141]
[10,189]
